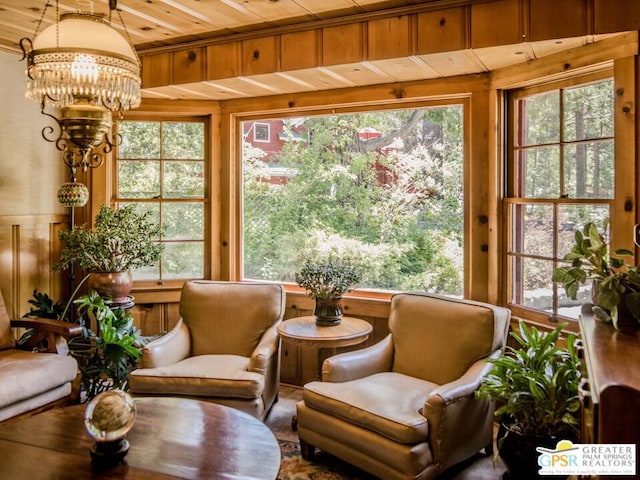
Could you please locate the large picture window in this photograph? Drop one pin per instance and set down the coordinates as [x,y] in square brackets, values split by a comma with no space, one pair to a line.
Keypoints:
[161,167]
[561,172]
[384,188]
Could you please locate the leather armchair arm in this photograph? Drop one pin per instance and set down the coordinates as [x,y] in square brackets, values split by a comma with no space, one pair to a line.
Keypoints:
[266,348]
[463,386]
[55,331]
[168,349]
[450,410]
[359,363]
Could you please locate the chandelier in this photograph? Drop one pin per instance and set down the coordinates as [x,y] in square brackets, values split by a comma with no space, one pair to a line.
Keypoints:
[87,70]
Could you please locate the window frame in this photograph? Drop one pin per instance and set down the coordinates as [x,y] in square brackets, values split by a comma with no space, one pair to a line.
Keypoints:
[206,199]
[365,293]
[618,223]
[255,132]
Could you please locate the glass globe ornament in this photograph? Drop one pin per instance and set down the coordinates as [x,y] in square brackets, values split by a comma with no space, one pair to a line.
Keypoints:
[73,194]
[108,418]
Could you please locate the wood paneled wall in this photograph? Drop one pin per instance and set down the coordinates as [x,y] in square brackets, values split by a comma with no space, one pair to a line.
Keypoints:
[31,171]
[30,246]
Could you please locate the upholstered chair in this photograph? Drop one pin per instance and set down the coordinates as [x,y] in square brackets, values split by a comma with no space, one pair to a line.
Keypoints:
[404,408]
[31,381]
[224,349]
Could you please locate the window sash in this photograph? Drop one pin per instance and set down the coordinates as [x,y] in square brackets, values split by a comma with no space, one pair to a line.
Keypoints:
[517,258]
[163,202]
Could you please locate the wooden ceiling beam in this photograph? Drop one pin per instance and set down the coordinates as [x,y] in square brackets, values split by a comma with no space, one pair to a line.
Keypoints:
[216,38]
[378,47]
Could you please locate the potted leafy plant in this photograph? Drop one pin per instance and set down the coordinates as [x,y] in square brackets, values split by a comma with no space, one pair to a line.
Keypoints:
[122,240]
[105,356]
[535,386]
[615,283]
[326,280]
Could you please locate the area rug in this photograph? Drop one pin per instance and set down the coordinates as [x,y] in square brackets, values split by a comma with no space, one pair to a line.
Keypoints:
[323,467]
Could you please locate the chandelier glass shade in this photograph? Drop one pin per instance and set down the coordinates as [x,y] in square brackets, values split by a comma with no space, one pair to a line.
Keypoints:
[82,58]
[87,70]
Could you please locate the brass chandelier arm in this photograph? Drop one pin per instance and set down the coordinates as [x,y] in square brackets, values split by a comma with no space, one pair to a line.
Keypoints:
[26,45]
[81,130]
[83,159]
[49,131]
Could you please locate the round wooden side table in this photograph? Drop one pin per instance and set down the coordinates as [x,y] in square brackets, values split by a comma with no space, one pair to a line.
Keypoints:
[306,332]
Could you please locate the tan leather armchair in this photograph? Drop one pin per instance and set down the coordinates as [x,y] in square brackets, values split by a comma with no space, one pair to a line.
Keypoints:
[224,349]
[32,381]
[404,408]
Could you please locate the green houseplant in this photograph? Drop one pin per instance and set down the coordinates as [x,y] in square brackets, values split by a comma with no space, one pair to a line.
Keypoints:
[326,280]
[535,386]
[122,240]
[615,283]
[105,356]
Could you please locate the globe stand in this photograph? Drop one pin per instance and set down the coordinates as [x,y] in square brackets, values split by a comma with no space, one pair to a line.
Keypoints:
[108,454]
[108,418]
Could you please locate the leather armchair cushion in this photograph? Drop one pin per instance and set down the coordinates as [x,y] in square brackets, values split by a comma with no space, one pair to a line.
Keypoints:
[6,335]
[25,374]
[472,325]
[232,318]
[204,375]
[387,403]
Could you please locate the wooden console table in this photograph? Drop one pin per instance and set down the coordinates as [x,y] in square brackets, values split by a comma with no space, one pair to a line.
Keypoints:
[170,438]
[610,391]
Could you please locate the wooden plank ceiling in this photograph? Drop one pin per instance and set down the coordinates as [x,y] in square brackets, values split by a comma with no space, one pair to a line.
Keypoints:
[153,23]
[157,24]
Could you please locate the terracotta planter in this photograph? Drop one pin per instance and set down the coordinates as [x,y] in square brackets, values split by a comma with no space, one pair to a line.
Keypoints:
[113,285]
[328,311]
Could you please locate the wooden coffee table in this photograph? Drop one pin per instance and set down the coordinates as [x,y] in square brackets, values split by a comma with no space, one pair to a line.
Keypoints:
[171,438]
